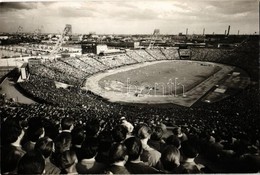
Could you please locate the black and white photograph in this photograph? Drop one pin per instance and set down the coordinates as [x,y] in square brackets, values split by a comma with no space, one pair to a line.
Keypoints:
[129,87]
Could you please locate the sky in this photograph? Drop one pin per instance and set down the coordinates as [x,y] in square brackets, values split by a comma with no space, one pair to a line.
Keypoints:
[132,16]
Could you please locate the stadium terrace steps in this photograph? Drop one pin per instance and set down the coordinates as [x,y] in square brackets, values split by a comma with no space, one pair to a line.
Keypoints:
[143,53]
[171,54]
[66,69]
[167,58]
[53,74]
[77,64]
[127,59]
[128,55]
[156,53]
[132,54]
[93,62]
[94,67]
[111,61]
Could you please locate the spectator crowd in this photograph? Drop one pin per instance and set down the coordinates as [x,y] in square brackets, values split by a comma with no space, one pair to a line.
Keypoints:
[76,132]
[38,144]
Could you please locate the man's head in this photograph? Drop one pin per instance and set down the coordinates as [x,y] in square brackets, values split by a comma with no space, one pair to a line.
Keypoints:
[118,153]
[134,148]
[177,131]
[68,158]
[122,119]
[157,134]
[31,163]
[173,140]
[92,128]
[34,133]
[78,135]
[12,131]
[170,158]
[119,133]
[144,132]
[89,148]
[45,146]
[189,150]
[62,142]
[67,123]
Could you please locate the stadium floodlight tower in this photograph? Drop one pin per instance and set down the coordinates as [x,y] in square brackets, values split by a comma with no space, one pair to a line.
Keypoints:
[19,30]
[156,32]
[38,31]
[57,47]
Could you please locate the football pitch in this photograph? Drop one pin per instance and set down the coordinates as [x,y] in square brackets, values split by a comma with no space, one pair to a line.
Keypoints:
[178,82]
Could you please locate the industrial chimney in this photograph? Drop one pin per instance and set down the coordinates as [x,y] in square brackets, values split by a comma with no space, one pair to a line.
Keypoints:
[228,30]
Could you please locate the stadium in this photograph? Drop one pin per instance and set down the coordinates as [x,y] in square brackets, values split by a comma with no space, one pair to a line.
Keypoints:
[77,103]
[219,97]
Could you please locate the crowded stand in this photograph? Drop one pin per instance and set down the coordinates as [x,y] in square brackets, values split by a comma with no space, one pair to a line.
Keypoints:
[112,61]
[126,59]
[43,71]
[93,62]
[77,64]
[208,135]
[144,54]
[45,90]
[133,54]
[170,54]
[156,54]
[72,131]
[66,69]
[245,56]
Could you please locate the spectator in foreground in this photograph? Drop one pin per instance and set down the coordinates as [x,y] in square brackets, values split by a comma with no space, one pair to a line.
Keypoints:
[31,163]
[156,140]
[118,157]
[11,150]
[173,140]
[62,144]
[178,133]
[68,162]
[46,146]
[88,163]
[102,156]
[67,124]
[134,165]
[127,125]
[119,133]
[78,137]
[189,153]
[170,160]
[33,133]
[149,155]
[92,128]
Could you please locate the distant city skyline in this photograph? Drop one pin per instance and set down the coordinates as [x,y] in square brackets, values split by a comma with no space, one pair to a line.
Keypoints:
[132,16]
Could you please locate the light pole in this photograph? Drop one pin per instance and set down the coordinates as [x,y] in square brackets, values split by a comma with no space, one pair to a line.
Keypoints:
[183,92]
[175,86]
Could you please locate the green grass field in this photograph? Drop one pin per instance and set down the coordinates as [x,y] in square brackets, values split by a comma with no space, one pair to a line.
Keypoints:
[165,78]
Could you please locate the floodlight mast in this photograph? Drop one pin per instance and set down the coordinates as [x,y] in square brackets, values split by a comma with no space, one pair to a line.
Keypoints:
[19,30]
[153,38]
[57,47]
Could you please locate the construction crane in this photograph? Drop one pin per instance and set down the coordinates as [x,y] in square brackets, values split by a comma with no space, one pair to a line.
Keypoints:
[153,38]
[56,49]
